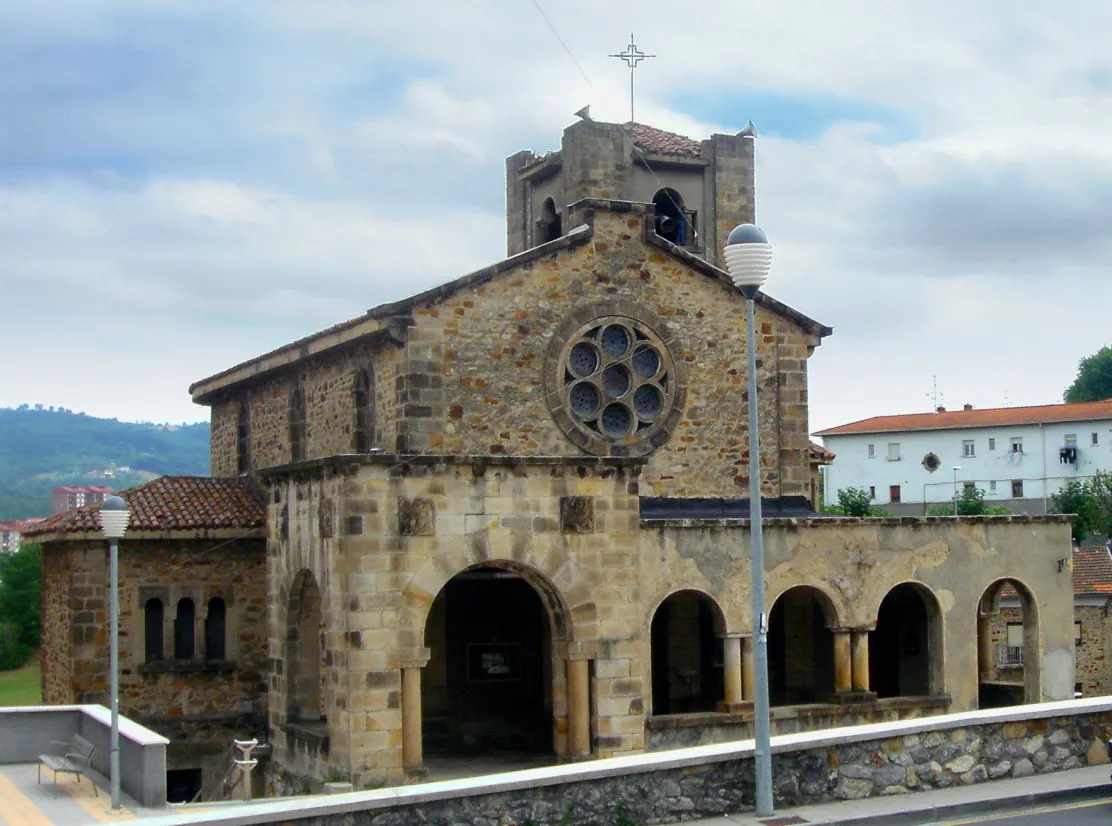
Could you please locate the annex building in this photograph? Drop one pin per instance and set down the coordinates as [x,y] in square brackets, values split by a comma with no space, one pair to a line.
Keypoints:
[509,514]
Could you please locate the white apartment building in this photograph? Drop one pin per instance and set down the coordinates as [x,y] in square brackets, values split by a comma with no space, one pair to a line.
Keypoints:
[1019,456]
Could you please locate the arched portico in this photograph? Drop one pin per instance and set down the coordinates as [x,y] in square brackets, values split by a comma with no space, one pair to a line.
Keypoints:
[802,648]
[687,654]
[906,645]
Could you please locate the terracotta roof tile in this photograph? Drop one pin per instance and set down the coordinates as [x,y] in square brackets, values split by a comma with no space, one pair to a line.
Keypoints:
[659,142]
[1092,571]
[989,417]
[172,503]
[819,453]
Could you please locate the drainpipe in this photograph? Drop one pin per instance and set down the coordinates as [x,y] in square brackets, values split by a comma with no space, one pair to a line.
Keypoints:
[1042,431]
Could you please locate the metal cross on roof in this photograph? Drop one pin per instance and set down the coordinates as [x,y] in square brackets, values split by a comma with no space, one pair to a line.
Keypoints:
[632,56]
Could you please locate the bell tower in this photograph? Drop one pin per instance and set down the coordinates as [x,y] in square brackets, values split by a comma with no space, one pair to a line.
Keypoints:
[700,190]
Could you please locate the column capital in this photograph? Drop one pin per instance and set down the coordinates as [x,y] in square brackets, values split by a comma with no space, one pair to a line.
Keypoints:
[868,628]
[416,658]
[736,635]
[842,629]
[573,650]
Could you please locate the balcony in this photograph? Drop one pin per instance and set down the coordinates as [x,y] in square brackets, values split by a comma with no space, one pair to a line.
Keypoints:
[1009,656]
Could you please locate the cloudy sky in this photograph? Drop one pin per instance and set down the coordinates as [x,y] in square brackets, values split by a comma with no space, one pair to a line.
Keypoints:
[186,184]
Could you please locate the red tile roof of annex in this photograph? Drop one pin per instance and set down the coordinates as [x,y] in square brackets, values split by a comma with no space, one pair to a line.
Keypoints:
[1092,571]
[172,503]
[988,417]
[657,141]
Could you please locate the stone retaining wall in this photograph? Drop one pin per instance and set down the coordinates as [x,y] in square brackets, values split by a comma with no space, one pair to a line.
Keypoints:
[704,781]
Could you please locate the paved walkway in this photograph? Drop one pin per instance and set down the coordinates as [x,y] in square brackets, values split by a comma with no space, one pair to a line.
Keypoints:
[941,804]
[26,802]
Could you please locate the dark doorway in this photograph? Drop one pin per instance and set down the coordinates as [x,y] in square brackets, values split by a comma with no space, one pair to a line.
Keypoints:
[488,684]
[901,647]
[800,649]
[686,655]
[182,785]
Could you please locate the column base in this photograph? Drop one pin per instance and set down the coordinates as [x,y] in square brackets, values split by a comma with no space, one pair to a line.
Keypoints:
[734,708]
[416,772]
[846,698]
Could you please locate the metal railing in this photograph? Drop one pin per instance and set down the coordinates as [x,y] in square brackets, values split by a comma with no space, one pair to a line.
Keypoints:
[1009,656]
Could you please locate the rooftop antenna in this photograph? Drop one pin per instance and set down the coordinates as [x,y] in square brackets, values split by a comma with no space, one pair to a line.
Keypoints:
[632,56]
[935,395]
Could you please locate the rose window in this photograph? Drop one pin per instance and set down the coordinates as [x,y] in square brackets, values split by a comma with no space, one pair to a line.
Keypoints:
[617,384]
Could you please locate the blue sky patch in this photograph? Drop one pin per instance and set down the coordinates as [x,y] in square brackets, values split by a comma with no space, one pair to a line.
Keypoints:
[796,117]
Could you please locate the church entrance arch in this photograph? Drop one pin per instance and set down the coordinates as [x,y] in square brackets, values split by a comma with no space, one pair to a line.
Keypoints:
[801,647]
[905,650]
[687,654]
[488,685]
[304,629]
[1008,662]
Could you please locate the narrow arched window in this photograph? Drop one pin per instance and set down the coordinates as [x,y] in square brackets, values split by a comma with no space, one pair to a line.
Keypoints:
[297,426]
[364,438]
[215,625]
[671,219]
[549,223]
[183,630]
[243,439]
[152,630]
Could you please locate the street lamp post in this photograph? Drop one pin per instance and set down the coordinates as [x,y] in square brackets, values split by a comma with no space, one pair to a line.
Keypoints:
[748,258]
[956,469]
[114,516]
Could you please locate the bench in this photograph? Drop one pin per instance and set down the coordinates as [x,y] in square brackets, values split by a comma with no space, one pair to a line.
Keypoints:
[76,760]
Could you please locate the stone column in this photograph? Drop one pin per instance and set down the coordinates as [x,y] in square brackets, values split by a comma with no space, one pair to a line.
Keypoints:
[843,663]
[412,757]
[579,709]
[860,647]
[986,663]
[748,671]
[733,699]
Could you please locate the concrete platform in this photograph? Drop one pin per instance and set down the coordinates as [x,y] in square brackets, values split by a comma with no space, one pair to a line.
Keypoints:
[70,802]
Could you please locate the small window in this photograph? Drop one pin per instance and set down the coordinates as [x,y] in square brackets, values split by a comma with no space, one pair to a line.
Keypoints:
[1017,444]
[893,451]
[1071,440]
[183,630]
[992,443]
[872,491]
[1077,632]
[1096,440]
[992,487]
[243,439]
[215,623]
[968,448]
[1017,489]
[872,451]
[152,630]
[1015,634]
[297,426]
[894,494]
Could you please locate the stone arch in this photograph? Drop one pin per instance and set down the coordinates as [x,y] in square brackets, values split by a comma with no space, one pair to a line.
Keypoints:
[304,650]
[907,645]
[1009,661]
[686,657]
[548,226]
[801,645]
[431,578]
[834,615]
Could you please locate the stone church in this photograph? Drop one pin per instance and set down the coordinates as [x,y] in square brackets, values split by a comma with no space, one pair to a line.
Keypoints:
[509,514]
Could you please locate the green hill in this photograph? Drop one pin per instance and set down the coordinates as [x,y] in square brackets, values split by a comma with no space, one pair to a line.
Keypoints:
[41,449]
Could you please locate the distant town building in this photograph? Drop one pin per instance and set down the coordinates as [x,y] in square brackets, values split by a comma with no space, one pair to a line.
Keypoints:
[68,497]
[11,533]
[1019,456]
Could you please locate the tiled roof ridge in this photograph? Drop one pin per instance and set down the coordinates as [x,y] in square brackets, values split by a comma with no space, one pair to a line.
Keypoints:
[662,142]
[171,503]
[975,417]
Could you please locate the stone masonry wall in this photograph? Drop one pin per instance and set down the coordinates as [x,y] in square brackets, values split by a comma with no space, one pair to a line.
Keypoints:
[1092,652]
[838,767]
[57,596]
[329,387]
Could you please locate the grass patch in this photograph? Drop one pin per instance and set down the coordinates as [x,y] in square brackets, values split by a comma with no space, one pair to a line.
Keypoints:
[22,686]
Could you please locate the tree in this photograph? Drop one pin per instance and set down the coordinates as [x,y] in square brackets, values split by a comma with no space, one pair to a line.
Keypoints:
[1094,378]
[20,605]
[970,503]
[1076,498]
[855,502]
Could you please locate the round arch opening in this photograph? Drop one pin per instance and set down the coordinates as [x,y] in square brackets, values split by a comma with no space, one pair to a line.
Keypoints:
[687,655]
[490,682]
[905,649]
[671,218]
[801,647]
[1009,668]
